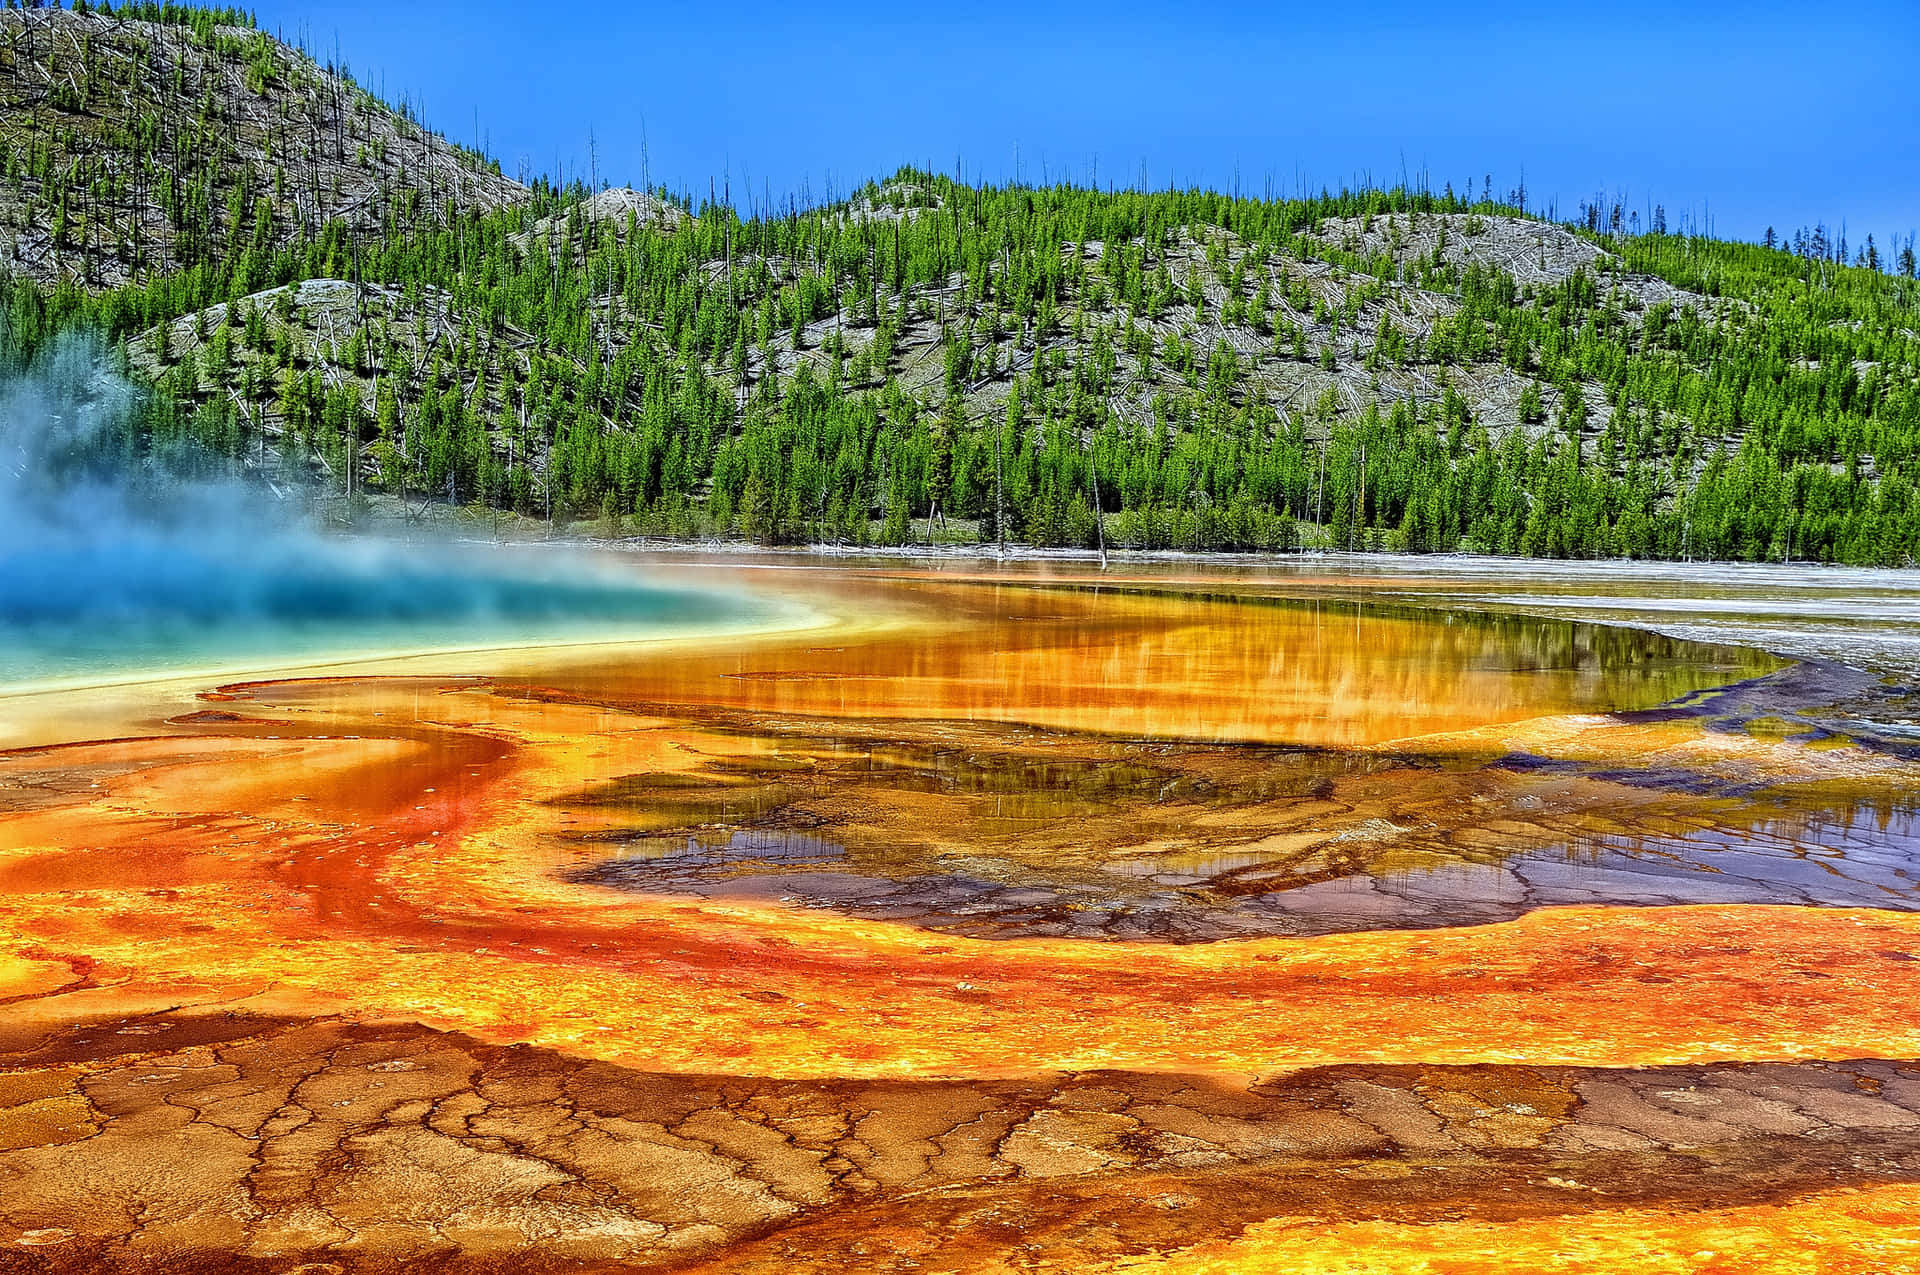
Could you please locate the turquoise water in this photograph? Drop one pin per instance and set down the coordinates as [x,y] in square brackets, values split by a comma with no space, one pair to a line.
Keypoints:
[101,613]
[123,556]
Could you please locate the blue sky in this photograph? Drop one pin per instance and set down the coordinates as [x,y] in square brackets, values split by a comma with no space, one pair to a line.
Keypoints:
[1753,114]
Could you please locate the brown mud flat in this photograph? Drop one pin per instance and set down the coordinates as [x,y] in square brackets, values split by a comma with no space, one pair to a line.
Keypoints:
[1538,949]
[188,1142]
[1001,834]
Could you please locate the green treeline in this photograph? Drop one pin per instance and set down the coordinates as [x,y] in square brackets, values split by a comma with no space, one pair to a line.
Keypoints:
[202,18]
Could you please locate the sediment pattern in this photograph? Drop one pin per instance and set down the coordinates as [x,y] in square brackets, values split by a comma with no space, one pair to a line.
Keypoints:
[267,1144]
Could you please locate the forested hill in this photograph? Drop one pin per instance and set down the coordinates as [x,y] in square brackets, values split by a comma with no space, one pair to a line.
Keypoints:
[157,137]
[927,360]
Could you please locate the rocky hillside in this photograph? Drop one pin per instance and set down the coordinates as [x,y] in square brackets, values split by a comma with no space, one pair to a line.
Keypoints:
[275,250]
[133,148]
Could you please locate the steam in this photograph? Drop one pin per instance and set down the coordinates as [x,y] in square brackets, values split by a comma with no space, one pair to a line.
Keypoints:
[118,555]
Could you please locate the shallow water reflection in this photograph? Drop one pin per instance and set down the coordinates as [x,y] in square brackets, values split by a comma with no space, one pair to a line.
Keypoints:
[1158,665]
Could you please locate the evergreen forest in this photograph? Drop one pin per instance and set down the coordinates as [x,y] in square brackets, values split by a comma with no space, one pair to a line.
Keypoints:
[307,279]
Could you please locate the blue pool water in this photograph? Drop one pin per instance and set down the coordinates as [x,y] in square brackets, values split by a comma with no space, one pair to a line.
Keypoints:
[100,611]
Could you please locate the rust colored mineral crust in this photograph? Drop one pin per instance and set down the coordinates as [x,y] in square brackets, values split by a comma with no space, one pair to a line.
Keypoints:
[335,975]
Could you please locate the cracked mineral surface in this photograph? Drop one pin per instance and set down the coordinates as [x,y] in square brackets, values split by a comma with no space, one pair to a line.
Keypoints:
[1041,922]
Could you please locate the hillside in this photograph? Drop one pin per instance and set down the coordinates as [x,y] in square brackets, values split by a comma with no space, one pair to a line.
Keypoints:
[928,360]
[133,148]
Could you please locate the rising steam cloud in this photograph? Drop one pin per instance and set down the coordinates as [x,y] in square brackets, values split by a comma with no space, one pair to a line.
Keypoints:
[115,556]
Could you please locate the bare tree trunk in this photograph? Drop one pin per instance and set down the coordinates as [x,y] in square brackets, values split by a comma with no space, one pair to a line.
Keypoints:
[999,501]
[1099,515]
